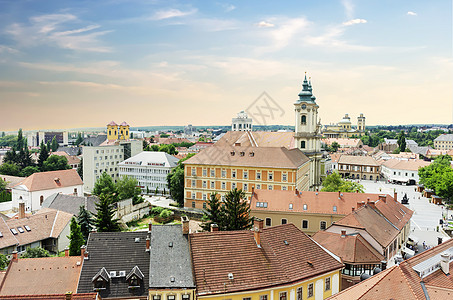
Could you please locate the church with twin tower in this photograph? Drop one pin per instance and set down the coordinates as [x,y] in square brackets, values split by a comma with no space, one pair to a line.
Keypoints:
[307,135]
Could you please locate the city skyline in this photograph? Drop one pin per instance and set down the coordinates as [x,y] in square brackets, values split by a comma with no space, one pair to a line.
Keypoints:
[78,64]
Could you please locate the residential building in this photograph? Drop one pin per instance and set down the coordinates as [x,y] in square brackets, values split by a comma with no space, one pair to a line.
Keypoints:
[47,228]
[279,262]
[36,138]
[42,276]
[38,186]
[424,276]
[358,167]
[310,211]
[443,142]
[402,171]
[307,135]
[105,158]
[343,129]
[390,145]
[170,269]
[343,142]
[116,265]
[150,169]
[73,160]
[242,122]
[355,252]
[199,146]
[70,203]
[223,168]
[331,163]
[385,224]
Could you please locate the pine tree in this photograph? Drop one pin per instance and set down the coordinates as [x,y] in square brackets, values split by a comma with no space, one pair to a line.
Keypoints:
[104,185]
[213,214]
[85,221]
[54,145]
[75,238]
[104,221]
[79,139]
[20,140]
[237,211]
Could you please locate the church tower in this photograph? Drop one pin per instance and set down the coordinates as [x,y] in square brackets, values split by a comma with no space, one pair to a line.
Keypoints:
[307,131]
[361,123]
[112,131]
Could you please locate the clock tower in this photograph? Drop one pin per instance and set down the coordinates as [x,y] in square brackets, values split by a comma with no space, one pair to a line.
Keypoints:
[307,134]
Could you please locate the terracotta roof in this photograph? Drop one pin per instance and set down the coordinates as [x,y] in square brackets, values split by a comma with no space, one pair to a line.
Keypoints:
[25,276]
[11,180]
[358,160]
[82,296]
[216,254]
[335,157]
[72,159]
[257,139]
[317,202]
[351,248]
[48,180]
[170,140]
[264,157]
[44,224]
[410,165]
[342,142]
[112,124]
[395,212]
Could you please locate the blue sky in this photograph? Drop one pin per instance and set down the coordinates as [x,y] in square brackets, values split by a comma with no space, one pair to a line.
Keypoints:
[67,64]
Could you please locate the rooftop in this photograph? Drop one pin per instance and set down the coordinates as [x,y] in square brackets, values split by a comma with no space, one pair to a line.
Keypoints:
[50,180]
[444,138]
[257,139]
[70,203]
[151,158]
[358,160]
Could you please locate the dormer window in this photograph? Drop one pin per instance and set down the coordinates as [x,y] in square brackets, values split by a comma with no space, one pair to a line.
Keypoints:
[100,280]
[135,277]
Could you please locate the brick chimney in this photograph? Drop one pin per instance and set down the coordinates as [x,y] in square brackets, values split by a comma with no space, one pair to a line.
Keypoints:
[185,224]
[150,225]
[297,192]
[82,252]
[148,242]
[383,198]
[257,236]
[395,196]
[253,190]
[353,208]
[214,227]
[343,233]
[14,256]
[258,223]
[86,255]
[360,204]
[68,295]
[66,252]
[21,210]
[372,204]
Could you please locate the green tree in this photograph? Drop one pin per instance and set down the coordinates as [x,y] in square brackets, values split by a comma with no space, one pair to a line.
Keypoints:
[127,187]
[104,185]
[85,220]
[438,177]
[35,253]
[104,220]
[11,156]
[75,238]
[27,171]
[3,134]
[54,144]
[79,139]
[334,183]
[213,214]
[56,162]
[3,185]
[175,180]
[80,168]
[9,169]
[170,149]
[154,148]
[335,146]
[237,211]
[20,140]
[24,158]
[4,261]
[402,141]
[43,155]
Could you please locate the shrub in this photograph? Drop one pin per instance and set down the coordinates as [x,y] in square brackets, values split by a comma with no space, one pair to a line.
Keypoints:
[156,210]
[166,213]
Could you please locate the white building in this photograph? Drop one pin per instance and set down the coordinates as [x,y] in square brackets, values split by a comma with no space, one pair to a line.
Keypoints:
[402,171]
[150,169]
[35,188]
[242,122]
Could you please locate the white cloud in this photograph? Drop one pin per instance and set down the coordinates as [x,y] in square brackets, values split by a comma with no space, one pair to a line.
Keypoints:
[264,24]
[171,13]
[349,8]
[7,49]
[228,7]
[411,13]
[354,21]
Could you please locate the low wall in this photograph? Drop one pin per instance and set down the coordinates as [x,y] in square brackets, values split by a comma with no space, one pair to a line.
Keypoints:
[6,205]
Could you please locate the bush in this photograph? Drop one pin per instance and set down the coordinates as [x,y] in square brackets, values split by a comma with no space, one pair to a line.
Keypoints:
[166,213]
[155,211]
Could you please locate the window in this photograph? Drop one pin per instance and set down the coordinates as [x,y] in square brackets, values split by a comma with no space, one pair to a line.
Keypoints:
[304,224]
[100,283]
[284,188]
[268,222]
[186,297]
[204,198]
[284,177]
[223,173]
[310,290]
[271,176]
[302,144]
[41,199]
[263,297]
[204,203]
[327,283]
[270,187]
[258,186]
[303,120]
[246,175]
[212,175]
[233,185]
[245,188]
[290,206]
[193,172]
[299,293]
[284,221]
[205,172]
[305,206]
[193,183]
[246,298]
[322,225]
[204,184]
[193,204]
[223,186]
[212,185]
[233,174]
[335,208]
[258,175]
[283,296]
[170,297]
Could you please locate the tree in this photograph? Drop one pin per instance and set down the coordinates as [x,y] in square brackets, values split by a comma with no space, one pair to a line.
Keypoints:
[438,177]
[56,162]
[43,154]
[104,185]
[24,158]
[54,145]
[79,139]
[127,187]
[237,211]
[75,238]
[35,253]
[104,221]
[80,168]
[11,156]
[335,146]
[334,183]
[175,180]
[27,171]
[2,185]
[20,140]
[9,169]
[402,141]
[213,214]
[3,261]
[85,220]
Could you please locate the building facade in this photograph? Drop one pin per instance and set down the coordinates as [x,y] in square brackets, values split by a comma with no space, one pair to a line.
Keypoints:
[358,167]
[443,142]
[242,122]
[402,171]
[343,129]
[117,132]
[150,169]
[36,138]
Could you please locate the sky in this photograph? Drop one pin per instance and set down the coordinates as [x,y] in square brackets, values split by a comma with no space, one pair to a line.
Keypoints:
[73,64]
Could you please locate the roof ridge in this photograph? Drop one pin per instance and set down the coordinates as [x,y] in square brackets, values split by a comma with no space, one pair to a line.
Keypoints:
[408,283]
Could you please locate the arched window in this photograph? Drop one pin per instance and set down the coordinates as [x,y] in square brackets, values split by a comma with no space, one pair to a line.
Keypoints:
[302,144]
[303,120]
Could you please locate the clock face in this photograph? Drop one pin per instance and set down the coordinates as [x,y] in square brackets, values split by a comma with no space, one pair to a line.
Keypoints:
[304,106]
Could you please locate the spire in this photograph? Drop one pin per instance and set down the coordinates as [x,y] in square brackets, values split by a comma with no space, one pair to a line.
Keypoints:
[306,94]
[309,84]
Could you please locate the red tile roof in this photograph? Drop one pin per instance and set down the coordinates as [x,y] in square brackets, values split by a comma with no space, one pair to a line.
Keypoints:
[82,296]
[217,254]
[51,180]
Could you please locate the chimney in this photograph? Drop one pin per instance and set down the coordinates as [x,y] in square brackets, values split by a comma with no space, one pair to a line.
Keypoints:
[372,204]
[253,190]
[66,252]
[353,208]
[395,196]
[339,194]
[14,256]
[297,192]
[258,223]
[68,295]
[21,210]
[214,227]
[445,263]
[86,255]
[82,252]
[383,265]
[148,241]
[185,225]
[150,225]
[383,198]
[343,233]
[257,236]
[360,204]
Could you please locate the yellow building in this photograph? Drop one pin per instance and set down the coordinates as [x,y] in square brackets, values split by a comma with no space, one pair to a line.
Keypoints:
[117,132]
[279,262]
[223,168]
[343,129]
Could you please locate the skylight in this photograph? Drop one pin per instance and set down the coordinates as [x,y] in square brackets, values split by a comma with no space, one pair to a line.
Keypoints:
[27,228]
[21,230]
[14,231]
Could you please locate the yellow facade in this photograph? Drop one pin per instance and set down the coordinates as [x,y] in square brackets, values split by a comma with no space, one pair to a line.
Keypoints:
[318,284]
[172,294]
[112,132]
[117,132]
[202,180]
[123,132]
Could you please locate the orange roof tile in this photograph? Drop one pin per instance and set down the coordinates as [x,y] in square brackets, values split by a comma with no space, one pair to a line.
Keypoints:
[48,180]
[358,160]
[257,139]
